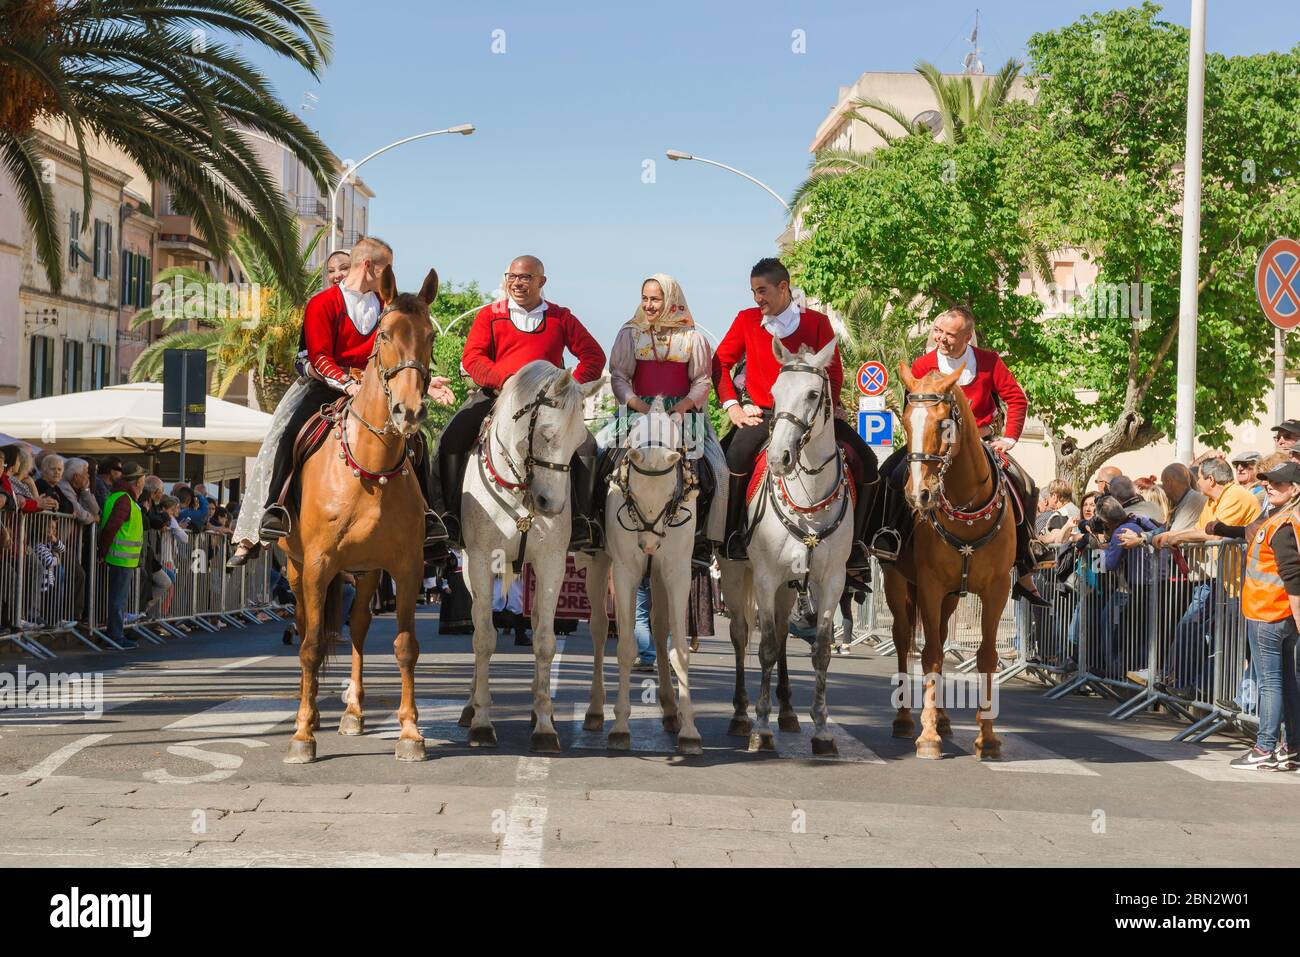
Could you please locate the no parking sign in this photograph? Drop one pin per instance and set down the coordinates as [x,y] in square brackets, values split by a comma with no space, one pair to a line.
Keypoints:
[1277,283]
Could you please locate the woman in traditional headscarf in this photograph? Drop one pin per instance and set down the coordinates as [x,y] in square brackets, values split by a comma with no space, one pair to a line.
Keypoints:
[660,354]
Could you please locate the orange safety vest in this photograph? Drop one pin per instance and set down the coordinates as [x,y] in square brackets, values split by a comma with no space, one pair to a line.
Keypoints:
[1263,596]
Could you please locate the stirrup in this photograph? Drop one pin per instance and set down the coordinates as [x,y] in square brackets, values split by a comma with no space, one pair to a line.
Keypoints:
[702,552]
[880,551]
[268,530]
[733,549]
[435,530]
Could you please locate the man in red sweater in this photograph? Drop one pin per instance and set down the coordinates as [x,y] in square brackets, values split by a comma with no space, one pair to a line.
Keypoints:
[750,338]
[986,380]
[338,333]
[505,337]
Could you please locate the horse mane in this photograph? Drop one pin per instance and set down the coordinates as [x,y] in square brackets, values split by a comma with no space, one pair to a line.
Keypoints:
[529,382]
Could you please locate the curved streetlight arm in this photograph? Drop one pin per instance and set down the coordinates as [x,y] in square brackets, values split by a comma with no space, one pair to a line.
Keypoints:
[464,129]
[678,154]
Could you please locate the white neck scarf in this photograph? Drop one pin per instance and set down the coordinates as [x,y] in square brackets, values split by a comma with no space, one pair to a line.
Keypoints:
[784,323]
[946,365]
[363,309]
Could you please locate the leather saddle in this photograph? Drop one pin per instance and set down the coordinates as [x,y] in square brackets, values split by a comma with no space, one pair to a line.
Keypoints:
[306,443]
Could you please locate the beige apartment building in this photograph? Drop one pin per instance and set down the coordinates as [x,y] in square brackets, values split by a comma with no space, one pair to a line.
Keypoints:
[1073,276]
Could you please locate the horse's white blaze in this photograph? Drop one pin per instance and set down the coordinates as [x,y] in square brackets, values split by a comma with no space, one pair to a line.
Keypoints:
[918,433]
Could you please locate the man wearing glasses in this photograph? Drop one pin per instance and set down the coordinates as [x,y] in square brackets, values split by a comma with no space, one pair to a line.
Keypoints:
[505,337]
[1285,437]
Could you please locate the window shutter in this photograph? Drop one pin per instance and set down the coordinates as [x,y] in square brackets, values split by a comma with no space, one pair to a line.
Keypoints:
[128,278]
[99,248]
[145,292]
[74,225]
[108,250]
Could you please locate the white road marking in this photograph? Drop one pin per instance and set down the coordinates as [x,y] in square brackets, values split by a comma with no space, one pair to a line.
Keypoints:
[241,716]
[526,822]
[223,763]
[61,757]
[243,662]
[1020,754]
[50,718]
[1208,765]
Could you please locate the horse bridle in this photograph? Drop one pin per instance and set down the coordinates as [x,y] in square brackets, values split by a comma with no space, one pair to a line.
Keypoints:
[685,482]
[824,411]
[531,461]
[386,374]
[984,512]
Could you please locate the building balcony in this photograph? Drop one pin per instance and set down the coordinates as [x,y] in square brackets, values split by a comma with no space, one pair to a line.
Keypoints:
[178,236]
[312,208]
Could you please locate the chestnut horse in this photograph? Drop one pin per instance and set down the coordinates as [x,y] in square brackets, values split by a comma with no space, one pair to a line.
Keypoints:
[362,512]
[964,541]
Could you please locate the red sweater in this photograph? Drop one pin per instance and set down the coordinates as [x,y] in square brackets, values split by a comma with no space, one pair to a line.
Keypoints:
[496,348]
[993,380]
[747,337]
[332,341]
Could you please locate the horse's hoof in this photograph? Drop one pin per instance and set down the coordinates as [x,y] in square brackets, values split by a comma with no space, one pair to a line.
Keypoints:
[762,741]
[410,749]
[787,722]
[904,727]
[483,737]
[466,716]
[301,752]
[619,741]
[546,742]
[931,750]
[944,727]
[352,724]
[825,746]
[593,722]
[740,727]
[672,723]
[689,745]
[991,751]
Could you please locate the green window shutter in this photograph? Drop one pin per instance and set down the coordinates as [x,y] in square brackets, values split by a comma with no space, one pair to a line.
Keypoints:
[128,277]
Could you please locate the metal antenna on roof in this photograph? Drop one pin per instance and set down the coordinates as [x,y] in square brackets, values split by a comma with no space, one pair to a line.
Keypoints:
[972,63]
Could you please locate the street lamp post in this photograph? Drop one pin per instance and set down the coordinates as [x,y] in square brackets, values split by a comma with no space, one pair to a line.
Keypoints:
[1185,409]
[680,155]
[465,129]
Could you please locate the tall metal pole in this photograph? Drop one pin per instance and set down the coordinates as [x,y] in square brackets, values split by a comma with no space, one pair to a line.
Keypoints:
[1190,273]
[185,411]
[1279,376]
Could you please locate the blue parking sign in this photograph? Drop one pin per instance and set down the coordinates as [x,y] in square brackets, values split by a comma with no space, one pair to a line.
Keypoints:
[877,429]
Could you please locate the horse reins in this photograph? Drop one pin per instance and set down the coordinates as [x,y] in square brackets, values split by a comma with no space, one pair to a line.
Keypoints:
[386,374]
[839,490]
[995,503]
[494,479]
[686,480]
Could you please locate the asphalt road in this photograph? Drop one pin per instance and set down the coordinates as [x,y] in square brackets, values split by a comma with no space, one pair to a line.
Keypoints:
[184,768]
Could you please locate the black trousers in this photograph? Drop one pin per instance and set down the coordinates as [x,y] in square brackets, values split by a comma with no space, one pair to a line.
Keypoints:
[743,445]
[317,394]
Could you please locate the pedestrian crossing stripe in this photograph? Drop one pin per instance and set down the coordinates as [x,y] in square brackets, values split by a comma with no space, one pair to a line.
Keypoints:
[239,716]
[1021,754]
[1205,764]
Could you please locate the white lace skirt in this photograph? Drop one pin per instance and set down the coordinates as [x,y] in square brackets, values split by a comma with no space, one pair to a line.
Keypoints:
[253,503]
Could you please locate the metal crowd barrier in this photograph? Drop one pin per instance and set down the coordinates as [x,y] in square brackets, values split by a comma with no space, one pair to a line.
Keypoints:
[52,586]
[1163,629]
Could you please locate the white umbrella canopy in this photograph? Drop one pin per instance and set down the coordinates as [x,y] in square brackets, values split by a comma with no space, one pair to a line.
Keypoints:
[128,417]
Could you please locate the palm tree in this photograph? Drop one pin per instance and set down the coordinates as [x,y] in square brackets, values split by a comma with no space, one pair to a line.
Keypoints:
[873,331]
[262,346]
[960,106]
[150,77]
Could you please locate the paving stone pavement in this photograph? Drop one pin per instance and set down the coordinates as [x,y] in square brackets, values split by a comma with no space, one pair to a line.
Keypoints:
[183,768]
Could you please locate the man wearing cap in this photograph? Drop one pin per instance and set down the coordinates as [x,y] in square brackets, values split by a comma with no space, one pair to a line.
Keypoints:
[109,471]
[1246,465]
[1285,436]
[121,539]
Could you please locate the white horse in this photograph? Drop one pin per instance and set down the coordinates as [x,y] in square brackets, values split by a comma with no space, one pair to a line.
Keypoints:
[650,516]
[801,533]
[516,509]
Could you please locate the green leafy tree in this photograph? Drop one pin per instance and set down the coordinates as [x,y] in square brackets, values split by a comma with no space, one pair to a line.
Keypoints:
[261,344]
[1100,167]
[154,79]
[453,312]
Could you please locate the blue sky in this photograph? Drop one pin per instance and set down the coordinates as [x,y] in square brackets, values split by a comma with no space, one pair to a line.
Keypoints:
[586,91]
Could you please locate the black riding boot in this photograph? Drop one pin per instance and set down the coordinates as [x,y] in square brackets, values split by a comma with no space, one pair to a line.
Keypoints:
[702,554]
[734,547]
[1026,588]
[586,535]
[858,570]
[887,542]
[447,495]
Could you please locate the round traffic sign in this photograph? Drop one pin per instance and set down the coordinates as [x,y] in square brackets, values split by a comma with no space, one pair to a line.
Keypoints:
[1277,282]
[873,379]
